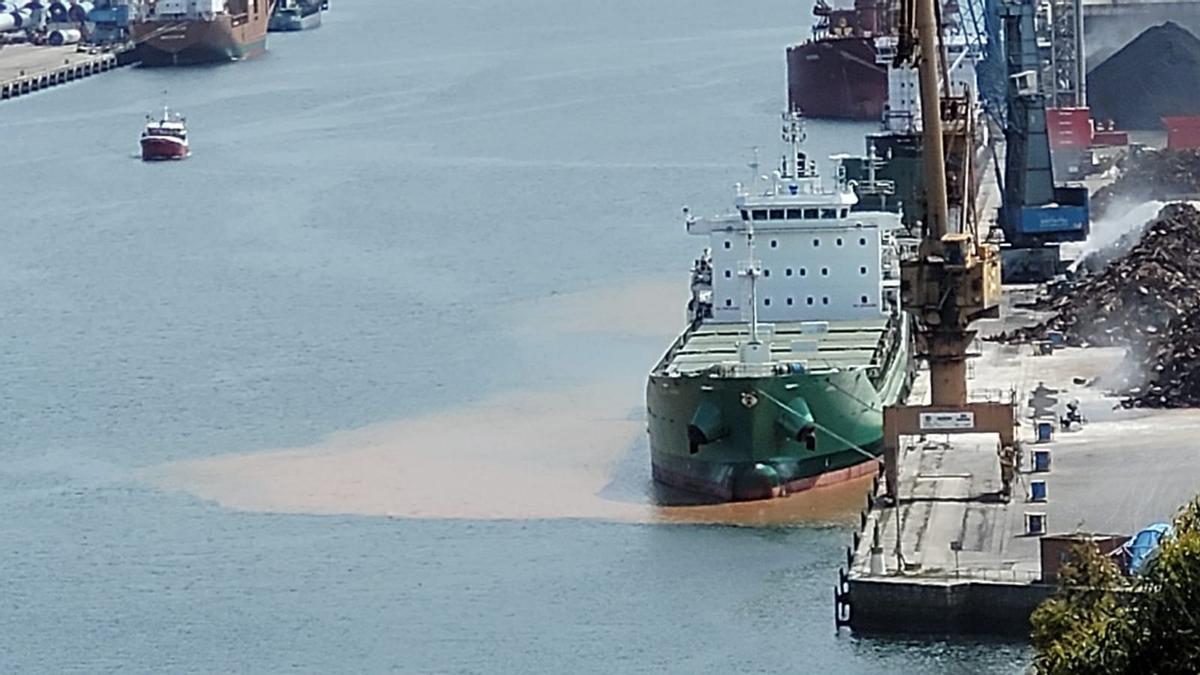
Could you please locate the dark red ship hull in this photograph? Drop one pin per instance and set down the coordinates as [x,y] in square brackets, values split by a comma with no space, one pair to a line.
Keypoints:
[836,78]
[154,149]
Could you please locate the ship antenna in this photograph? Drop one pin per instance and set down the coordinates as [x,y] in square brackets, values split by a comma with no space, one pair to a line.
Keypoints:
[753,168]
[871,160]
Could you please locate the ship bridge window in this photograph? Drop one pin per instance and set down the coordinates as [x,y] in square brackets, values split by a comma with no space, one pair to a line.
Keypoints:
[810,214]
[745,214]
[845,212]
[759,214]
[776,214]
[828,214]
[794,214]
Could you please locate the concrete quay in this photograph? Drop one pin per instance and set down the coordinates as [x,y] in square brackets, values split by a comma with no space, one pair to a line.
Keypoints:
[1123,470]
[25,68]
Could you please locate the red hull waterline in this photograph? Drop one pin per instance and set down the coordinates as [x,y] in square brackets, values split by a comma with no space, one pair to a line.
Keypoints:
[836,78]
[827,479]
[154,149]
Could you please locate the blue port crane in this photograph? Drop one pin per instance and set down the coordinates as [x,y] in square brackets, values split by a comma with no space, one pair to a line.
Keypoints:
[1036,215]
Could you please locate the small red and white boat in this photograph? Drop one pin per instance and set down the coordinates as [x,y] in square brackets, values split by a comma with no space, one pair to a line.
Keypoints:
[165,137]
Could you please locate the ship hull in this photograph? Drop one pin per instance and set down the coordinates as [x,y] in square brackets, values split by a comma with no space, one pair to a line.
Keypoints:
[837,79]
[192,42]
[756,458]
[154,149]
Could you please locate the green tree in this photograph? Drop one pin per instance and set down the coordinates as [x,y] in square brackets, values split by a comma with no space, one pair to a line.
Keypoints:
[1100,622]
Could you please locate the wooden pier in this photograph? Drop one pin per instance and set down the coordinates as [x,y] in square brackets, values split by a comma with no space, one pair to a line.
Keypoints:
[25,69]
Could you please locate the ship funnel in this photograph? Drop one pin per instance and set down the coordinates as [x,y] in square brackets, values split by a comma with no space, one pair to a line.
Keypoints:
[798,424]
[707,426]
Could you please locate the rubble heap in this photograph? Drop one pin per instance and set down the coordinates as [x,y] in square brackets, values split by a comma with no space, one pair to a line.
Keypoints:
[1151,175]
[1147,300]
[1150,78]
[1173,367]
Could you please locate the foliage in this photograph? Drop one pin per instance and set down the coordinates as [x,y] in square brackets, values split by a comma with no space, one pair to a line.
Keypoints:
[1099,622]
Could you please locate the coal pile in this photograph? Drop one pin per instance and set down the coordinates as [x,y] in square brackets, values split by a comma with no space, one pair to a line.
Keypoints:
[1155,76]
[1151,175]
[1147,300]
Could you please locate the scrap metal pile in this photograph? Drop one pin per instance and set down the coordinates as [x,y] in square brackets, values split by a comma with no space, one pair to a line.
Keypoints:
[1147,299]
[1151,175]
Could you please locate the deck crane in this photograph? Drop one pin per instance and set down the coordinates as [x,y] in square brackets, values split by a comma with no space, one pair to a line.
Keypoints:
[955,279]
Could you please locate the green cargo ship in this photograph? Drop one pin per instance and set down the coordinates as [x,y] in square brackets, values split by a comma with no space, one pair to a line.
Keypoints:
[795,344]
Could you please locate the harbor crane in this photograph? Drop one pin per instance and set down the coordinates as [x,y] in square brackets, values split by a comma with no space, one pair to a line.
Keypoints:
[955,278]
[1037,215]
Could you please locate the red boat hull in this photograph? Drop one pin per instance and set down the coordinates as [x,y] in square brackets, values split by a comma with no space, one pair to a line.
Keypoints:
[837,78]
[161,148]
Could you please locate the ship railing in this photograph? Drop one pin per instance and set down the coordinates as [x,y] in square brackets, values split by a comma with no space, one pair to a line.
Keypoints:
[1010,575]
[992,395]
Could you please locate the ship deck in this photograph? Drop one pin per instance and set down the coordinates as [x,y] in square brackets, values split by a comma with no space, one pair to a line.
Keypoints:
[845,345]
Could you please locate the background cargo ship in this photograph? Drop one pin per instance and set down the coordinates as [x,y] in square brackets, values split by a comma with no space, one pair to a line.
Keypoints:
[895,152]
[835,74]
[796,343]
[292,15]
[184,32]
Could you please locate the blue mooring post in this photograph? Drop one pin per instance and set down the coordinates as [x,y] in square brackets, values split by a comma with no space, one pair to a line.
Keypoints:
[1037,490]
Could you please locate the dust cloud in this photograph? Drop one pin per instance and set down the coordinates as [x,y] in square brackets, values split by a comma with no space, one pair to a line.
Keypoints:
[567,452]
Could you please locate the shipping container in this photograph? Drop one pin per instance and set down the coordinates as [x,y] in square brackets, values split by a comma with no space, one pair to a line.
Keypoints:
[1183,132]
[1069,127]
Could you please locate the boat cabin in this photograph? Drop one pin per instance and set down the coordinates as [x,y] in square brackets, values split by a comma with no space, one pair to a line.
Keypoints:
[799,251]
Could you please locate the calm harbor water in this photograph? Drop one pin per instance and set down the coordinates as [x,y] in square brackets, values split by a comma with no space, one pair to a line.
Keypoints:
[357,387]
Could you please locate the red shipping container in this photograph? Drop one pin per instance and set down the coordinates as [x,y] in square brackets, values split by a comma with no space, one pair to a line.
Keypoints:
[1110,139]
[1183,132]
[1069,127]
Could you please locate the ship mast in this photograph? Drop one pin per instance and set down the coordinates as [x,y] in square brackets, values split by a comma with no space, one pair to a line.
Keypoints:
[751,273]
[793,135]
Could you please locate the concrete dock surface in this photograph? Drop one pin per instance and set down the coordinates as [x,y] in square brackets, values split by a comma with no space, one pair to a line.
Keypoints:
[19,59]
[1123,470]
[26,68]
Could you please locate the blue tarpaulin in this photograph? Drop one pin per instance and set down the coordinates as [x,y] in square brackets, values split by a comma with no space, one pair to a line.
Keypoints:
[1144,545]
